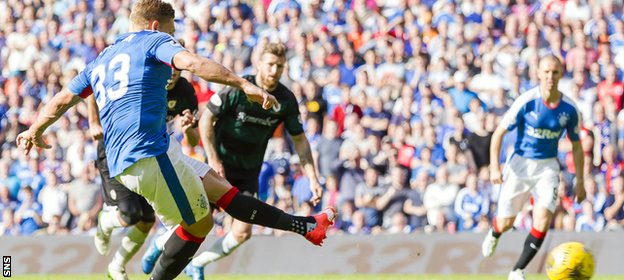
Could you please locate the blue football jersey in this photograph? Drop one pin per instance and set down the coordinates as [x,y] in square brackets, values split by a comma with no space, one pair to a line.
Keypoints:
[128,79]
[539,126]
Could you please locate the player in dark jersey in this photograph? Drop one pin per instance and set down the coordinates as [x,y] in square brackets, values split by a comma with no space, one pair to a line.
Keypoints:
[236,144]
[128,79]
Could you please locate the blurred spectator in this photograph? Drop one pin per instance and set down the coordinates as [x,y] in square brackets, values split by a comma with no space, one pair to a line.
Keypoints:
[376,119]
[52,198]
[5,199]
[589,220]
[439,199]
[394,196]
[358,224]
[84,196]
[328,150]
[28,213]
[414,206]
[331,195]
[7,225]
[54,227]
[398,224]
[614,211]
[460,94]
[349,169]
[471,205]
[367,196]
[12,183]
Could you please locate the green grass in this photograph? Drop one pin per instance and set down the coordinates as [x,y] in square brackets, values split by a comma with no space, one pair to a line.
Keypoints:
[308,277]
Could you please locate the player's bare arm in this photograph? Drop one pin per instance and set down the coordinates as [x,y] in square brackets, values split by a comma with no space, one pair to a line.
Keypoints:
[496,176]
[207,135]
[95,127]
[51,112]
[190,132]
[579,164]
[212,71]
[302,146]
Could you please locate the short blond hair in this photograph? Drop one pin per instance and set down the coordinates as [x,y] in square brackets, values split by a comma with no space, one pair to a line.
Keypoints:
[145,11]
[277,49]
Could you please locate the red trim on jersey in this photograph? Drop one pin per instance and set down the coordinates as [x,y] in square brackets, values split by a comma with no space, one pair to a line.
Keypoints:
[86,92]
[551,107]
[187,236]
[226,199]
[538,234]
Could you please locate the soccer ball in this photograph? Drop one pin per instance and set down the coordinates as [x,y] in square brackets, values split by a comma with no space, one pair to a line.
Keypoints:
[570,260]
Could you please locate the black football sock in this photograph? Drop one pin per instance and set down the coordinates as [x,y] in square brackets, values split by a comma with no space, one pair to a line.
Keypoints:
[253,211]
[531,245]
[177,253]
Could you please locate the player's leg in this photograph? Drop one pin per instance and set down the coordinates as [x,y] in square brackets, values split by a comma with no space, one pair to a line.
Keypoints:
[248,210]
[180,248]
[154,250]
[114,193]
[514,194]
[178,197]
[545,193]
[135,237]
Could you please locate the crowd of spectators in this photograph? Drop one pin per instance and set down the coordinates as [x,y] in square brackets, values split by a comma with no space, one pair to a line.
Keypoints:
[399,99]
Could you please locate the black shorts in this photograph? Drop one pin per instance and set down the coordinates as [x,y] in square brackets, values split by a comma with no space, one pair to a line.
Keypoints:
[246,181]
[115,193]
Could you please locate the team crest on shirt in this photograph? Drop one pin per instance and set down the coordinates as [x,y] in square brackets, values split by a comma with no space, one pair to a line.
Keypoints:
[202,202]
[563,119]
[171,104]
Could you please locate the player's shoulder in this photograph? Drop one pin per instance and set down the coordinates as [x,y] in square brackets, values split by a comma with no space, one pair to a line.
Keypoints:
[569,102]
[285,92]
[146,38]
[528,96]
[154,35]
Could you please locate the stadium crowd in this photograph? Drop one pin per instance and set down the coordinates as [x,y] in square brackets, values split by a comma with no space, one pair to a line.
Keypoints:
[399,99]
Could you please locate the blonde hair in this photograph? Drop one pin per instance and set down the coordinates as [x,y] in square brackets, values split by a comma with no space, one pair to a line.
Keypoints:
[145,11]
[277,49]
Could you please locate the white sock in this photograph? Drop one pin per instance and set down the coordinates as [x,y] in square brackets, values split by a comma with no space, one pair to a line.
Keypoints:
[130,244]
[162,239]
[109,220]
[219,249]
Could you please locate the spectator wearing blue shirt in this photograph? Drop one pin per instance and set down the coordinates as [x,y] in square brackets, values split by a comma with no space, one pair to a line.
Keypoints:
[376,120]
[28,213]
[460,95]
[471,205]
[8,180]
[589,220]
[347,68]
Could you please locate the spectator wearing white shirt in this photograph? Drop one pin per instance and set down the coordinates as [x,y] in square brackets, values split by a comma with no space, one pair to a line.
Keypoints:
[52,199]
[439,199]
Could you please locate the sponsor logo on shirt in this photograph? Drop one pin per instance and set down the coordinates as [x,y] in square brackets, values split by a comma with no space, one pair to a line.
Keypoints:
[542,133]
[243,117]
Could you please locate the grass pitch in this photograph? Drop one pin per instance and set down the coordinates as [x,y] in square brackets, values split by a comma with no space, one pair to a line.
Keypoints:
[307,277]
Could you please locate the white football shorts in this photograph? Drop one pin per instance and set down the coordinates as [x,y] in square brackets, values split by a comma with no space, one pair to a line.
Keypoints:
[171,184]
[523,177]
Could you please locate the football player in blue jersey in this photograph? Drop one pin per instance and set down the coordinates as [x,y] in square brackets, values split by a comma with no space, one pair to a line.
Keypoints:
[128,80]
[540,115]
